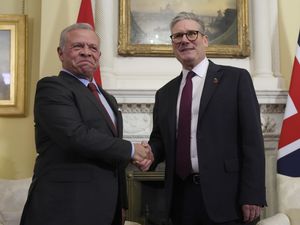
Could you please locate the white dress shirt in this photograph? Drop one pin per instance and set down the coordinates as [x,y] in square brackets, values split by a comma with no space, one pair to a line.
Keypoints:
[198,82]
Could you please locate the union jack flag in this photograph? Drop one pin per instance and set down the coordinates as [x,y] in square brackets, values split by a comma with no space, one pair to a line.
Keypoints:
[288,162]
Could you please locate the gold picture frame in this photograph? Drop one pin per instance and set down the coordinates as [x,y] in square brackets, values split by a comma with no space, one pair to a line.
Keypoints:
[140,23]
[13,37]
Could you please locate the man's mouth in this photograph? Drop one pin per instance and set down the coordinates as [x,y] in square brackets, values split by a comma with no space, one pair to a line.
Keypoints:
[185,49]
[85,62]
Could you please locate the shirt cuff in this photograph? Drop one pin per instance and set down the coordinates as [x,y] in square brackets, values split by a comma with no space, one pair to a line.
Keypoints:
[132,150]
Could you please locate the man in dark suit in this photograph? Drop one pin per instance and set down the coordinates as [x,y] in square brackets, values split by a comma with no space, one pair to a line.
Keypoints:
[79,175]
[213,119]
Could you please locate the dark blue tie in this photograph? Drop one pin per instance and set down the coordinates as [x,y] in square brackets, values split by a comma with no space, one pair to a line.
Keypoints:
[183,155]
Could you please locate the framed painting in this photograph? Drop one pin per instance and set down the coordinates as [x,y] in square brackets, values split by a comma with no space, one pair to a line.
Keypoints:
[13,35]
[144,26]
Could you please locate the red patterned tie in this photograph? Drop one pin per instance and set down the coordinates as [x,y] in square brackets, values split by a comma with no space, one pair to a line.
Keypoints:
[92,87]
[183,157]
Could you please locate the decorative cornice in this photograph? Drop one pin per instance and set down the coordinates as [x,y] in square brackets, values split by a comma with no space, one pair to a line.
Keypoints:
[136,108]
[148,96]
[133,96]
[272,108]
[271,97]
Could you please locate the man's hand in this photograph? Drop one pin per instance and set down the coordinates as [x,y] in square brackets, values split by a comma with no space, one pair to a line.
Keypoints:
[144,156]
[140,153]
[251,212]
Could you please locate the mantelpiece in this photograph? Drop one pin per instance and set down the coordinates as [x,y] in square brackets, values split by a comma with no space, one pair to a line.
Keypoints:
[137,106]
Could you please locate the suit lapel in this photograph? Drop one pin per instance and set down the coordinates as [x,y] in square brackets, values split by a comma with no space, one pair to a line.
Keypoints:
[114,107]
[213,78]
[85,91]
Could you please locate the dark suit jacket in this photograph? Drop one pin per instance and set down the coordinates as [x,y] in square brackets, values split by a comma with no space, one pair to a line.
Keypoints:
[229,141]
[79,175]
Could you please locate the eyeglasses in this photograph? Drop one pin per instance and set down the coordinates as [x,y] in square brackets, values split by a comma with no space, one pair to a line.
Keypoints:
[191,35]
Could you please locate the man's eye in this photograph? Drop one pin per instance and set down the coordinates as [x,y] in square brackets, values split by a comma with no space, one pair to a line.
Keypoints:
[94,49]
[192,33]
[77,46]
[178,35]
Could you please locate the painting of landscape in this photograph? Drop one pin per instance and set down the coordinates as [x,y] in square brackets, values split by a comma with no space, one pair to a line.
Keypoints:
[150,19]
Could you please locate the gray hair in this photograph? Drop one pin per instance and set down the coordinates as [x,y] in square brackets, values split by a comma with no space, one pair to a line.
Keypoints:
[188,16]
[75,26]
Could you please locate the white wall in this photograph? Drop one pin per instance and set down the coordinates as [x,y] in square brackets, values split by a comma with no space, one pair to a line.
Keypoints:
[117,72]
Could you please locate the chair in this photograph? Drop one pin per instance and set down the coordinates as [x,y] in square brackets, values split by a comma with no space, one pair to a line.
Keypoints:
[288,190]
[13,194]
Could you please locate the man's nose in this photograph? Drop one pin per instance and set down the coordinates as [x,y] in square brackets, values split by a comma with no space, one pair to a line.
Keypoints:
[184,38]
[86,51]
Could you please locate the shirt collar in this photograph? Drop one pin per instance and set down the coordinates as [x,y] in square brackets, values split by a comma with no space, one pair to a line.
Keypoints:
[82,80]
[199,70]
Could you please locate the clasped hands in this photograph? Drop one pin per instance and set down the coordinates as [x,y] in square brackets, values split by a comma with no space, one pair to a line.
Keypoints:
[143,156]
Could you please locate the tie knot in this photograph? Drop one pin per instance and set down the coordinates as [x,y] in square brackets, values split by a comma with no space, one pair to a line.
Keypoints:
[92,86]
[190,75]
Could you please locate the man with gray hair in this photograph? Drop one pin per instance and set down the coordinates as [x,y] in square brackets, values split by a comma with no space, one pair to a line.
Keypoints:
[207,129]
[79,174]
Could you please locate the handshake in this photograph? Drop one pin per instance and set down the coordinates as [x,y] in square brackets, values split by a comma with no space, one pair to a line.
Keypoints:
[143,156]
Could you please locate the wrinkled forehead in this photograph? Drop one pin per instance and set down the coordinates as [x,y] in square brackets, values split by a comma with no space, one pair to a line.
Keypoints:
[83,35]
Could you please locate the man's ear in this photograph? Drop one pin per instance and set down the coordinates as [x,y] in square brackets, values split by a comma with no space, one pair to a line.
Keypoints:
[59,52]
[205,40]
